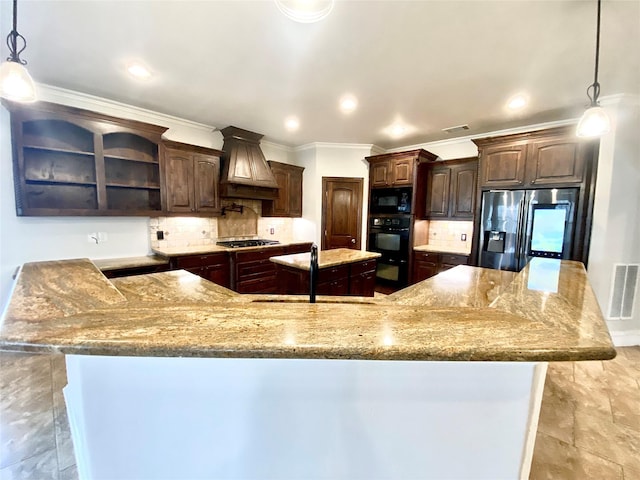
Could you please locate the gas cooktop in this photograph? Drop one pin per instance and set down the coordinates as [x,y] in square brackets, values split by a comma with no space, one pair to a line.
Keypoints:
[256,242]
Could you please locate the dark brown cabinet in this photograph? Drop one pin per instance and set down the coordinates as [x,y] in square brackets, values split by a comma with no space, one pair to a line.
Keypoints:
[451,189]
[354,279]
[253,272]
[536,159]
[69,161]
[213,266]
[192,176]
[362,278]
[289,200]
[428,264]
[396,169]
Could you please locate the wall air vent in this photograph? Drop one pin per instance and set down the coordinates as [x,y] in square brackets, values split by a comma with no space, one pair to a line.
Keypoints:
[456,129]
[623,291]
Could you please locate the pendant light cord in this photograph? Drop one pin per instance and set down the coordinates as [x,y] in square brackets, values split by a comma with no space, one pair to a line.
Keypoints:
[596,86]
[12,39]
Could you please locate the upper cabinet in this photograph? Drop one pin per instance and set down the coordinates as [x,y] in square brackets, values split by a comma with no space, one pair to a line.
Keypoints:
[289,200]
[451,189]
[396,169]
[553,157]
[69,161]
[192,176]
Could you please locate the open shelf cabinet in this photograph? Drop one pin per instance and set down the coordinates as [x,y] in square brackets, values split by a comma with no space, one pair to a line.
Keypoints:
[69,161]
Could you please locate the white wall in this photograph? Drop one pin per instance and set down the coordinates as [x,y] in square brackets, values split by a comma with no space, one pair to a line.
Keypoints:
[616,218]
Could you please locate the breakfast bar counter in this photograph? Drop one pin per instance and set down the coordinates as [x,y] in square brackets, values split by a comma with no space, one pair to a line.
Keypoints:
[349,387]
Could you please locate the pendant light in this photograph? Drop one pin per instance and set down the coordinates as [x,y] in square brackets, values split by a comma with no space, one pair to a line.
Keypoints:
[594,121]
[15,82]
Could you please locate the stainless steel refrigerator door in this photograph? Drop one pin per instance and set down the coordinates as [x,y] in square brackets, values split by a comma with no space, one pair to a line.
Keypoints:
[500,229]
[549,197]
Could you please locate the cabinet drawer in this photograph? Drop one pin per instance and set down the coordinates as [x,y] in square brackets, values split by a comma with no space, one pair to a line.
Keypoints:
[259,254]
[363,267]
[258,267]
[333,273]
[426,257]
[450,259]
[194,261]
[258,285]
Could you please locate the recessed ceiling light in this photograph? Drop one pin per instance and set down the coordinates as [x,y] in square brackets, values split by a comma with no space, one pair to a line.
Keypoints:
[138,70]
[398,130]
[348,103]
[305,11]
[517,102]
[292,124]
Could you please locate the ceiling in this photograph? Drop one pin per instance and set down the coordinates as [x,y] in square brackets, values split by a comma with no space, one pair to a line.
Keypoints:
[429,64]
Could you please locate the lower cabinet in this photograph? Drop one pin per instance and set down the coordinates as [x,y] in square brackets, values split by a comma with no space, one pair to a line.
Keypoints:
[428,264]
[354,279]
[362,280]
[253,272]
[213,267]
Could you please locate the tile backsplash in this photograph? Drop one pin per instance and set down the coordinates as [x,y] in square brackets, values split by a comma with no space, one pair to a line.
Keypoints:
[444,234]
[199,231]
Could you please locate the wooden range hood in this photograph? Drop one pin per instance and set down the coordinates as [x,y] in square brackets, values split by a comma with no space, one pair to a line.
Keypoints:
[245,172]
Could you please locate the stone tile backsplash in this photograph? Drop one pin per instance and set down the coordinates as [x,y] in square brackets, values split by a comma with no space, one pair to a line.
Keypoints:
[448,234]
[198,231]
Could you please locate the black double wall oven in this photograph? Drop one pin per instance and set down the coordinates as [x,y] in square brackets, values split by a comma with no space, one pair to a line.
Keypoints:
[390,235]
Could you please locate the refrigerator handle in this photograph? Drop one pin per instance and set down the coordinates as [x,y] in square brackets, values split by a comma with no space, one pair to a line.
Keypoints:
[519,232]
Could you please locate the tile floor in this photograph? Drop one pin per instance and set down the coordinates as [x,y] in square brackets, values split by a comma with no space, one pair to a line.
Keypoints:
[589,422]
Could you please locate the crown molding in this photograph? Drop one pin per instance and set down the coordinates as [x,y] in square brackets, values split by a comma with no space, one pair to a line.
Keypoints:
[53,94]
[344,146]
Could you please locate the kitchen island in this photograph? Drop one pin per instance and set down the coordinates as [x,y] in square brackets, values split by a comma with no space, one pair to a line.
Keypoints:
[341,271]
[415,385]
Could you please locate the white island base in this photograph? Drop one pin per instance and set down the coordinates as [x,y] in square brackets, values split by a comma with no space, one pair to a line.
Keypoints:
[221,418]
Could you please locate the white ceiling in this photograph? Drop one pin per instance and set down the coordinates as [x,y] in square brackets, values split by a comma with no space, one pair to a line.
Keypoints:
[431,64]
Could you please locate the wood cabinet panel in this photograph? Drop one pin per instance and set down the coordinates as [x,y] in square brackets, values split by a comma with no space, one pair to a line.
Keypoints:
[69,161]
[555,161]
[288,203]
[402,169]
[503,166]
[396,169]
[379,174]
[253,272]
[178,167]
[438,181]
[428,264]
[463,190]
[451,189]
[206,181]
[214,267]
[192,178]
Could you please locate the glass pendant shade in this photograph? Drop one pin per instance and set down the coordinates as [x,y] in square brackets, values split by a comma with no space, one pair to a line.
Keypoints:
[15,83]
[305,11]
[594,122]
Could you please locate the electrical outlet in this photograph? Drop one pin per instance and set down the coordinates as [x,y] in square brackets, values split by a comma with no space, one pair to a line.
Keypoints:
[463,237]
[272,230]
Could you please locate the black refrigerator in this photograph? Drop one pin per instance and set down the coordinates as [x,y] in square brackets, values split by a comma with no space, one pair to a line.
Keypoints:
[517,225]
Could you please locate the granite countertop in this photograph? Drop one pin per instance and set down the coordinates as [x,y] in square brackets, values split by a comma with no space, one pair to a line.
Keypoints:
[326,258]
[68,306]
[443,249]
[106,264]
[204,249]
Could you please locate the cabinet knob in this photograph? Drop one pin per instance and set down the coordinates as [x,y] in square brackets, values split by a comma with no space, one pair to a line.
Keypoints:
[353,240]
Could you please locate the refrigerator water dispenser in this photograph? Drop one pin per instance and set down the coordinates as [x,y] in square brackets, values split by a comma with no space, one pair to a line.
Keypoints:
[494,241]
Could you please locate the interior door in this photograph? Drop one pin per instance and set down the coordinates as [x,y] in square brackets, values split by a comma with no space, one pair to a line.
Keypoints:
[341,212]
